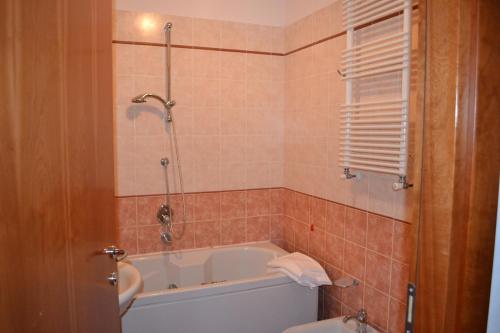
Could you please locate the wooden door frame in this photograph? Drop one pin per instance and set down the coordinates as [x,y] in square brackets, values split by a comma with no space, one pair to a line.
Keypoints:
[461,161]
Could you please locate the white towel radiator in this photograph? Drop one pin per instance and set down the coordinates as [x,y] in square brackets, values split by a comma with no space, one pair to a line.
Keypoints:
[374,134]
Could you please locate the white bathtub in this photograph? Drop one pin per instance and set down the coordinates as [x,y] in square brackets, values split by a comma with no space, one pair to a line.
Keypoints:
[240,297]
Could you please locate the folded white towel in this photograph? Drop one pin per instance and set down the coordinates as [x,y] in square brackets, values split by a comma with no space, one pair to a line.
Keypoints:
[301,268]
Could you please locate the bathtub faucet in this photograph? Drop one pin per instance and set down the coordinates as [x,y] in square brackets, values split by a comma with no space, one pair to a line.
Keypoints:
[164,215]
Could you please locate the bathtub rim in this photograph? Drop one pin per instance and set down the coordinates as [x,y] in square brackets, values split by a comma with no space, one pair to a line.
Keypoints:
[267,245]
[197,291]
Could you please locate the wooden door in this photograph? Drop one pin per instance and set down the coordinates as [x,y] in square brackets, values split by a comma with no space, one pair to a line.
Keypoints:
[56,167]
[461,165]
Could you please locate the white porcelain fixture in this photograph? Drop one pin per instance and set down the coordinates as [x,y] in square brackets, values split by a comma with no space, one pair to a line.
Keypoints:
[217,290]
[334,325]
[129,284]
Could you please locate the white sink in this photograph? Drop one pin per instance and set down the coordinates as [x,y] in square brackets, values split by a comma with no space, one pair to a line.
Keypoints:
[129,284]
[334,325]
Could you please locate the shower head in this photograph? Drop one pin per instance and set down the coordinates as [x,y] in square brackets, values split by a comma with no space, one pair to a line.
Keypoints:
[143,97]
[167,104]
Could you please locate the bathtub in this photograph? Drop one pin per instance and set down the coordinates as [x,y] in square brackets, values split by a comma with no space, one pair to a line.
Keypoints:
[224,289]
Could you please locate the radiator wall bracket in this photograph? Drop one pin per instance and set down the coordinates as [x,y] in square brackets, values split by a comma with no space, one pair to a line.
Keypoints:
[347,175]
[402,184]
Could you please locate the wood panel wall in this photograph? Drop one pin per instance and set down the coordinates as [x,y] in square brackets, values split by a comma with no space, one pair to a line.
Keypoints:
[461,165]
[56,167]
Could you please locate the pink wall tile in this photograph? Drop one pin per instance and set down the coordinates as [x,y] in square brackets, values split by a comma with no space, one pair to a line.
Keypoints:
[126,211]
[206,121]
[380,230]
[289,232]
[257,175]
[207,234]
[127,239]
[183,237]
[317,244]
[334,253]
[259,67]
[289,202]
[323,23]
[147,208]
[402,242]
[301,236]
[233,231]
[399,280]
[277,227]
[355,226]
[378,271]
[279,40]
[335,218]
[258,228]
[207,206]
[260,38]
[233,66]
[233,204]
[178,207]
[183,92]
[232,93]
[206,92]
[149,239]
[233,121]
[206,64]
[234,35]
[258,202]
[318,212]
[397,312]
[354,260]
[377,305]
[301,210]
[233,175]
[276,201]
[206,32]
[182,63]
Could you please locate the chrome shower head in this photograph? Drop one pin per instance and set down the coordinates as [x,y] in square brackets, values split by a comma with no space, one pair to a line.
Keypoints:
[140,98]
[167,104]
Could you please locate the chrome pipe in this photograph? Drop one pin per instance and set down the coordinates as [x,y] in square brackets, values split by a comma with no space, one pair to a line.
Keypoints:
[168,41]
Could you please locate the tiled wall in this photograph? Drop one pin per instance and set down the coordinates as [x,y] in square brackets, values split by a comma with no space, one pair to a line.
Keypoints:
[229,112]
[248,121]
[213,218]
[373,249]
[313,93]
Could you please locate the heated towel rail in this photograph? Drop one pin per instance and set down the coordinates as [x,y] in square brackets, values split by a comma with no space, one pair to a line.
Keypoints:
[374,134]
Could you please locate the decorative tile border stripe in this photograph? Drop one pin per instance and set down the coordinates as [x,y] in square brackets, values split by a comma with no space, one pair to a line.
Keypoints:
[198,192]
[192,47]
[279,54]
